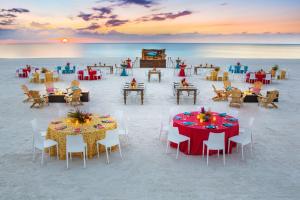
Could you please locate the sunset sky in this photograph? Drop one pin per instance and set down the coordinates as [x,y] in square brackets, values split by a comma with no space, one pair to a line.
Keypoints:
[270,21]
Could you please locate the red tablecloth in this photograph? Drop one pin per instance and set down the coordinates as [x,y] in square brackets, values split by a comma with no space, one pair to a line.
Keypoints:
[198,132]
[24,73]
[92,75]
[181,72]
[258,76]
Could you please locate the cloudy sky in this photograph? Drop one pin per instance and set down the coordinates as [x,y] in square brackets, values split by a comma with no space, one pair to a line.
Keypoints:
[270,21]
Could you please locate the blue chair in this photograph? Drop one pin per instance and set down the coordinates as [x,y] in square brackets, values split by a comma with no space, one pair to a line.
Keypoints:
[245,69]
[237,69]
[230,69]
[58,69]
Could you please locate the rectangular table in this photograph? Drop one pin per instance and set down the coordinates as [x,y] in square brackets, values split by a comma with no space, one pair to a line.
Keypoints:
[201,67]
[60,98]
[179,89]
[140,88]
[252,98]
[151,72]
[111,68]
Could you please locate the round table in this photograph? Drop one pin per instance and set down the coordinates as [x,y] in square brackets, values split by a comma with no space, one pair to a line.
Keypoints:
[59,129]
[198,131]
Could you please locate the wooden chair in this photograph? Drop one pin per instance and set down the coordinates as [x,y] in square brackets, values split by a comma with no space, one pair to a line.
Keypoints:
[221,95]
[282,75]
[27,94]
[227,84]
[236,98]
[268,100]
[256,88]
[75,83]
[38,99]
[213,76]
[48,77]
[225,76]
[74,98]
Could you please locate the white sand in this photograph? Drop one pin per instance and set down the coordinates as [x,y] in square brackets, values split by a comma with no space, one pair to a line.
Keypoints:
[146,172]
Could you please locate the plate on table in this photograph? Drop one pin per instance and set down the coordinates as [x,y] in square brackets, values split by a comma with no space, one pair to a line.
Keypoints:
[59,128]
[107,121]
[232,119]
[188,123]
[56,122]
[227,124]
[104,116]
[99,126]
[178,118]
[222,114]
[210,126]
[187,113]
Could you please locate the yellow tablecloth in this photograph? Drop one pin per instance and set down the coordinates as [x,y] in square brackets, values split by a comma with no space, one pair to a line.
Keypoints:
[89,132]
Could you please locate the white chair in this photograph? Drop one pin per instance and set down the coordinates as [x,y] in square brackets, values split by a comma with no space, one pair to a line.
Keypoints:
[122,129]
[75,144]
[267,79]
[98,74]
[111,139]
[35,128]
[175,137]
[216,141]
[85,75]
[245,137]
[252,78]
[164,126]
[39,142]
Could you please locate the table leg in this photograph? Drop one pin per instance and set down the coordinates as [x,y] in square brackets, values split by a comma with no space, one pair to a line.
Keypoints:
[195,96]
[125,94]
[148,77]
[159,77]
[142,97]
[178,97]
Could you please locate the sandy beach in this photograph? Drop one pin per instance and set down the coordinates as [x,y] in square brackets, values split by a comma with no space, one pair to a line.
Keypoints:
[146,171]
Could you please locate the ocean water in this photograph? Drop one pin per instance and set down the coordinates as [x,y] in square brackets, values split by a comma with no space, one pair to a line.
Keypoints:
[123,50]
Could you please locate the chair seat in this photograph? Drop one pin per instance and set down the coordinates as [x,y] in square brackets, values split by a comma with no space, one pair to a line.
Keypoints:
[108,143]
[177,138]
[122,132]
[77,147]
[47,143]
[241,139]
[213,146]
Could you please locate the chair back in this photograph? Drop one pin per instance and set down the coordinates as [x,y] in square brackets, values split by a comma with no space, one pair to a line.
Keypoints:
[227,84]
[75,83]
[35,95]
[76,95]
[268,76]
[217,138]
[113,137]
[48,77]
[25,89]
[74,143]
[252,76]
[251,121]
[272,95]
[236,93]
[282,74]
[257,85]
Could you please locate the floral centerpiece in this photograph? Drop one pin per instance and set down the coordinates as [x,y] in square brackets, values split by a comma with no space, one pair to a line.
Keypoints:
[204,116]
[275,67]
[79,116]
[184,83]
[44,70]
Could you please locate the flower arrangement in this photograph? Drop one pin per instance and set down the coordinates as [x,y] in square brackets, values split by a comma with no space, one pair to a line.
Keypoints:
[204,115]
[275,67]
[80,116]
[184,83]
[44,70]
[133,83]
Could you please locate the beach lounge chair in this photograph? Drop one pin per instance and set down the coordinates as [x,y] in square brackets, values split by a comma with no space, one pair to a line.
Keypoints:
[221,95]
[236,98]
[74,98]
[38,99]
[268,100]
[282,75]
[26,92]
